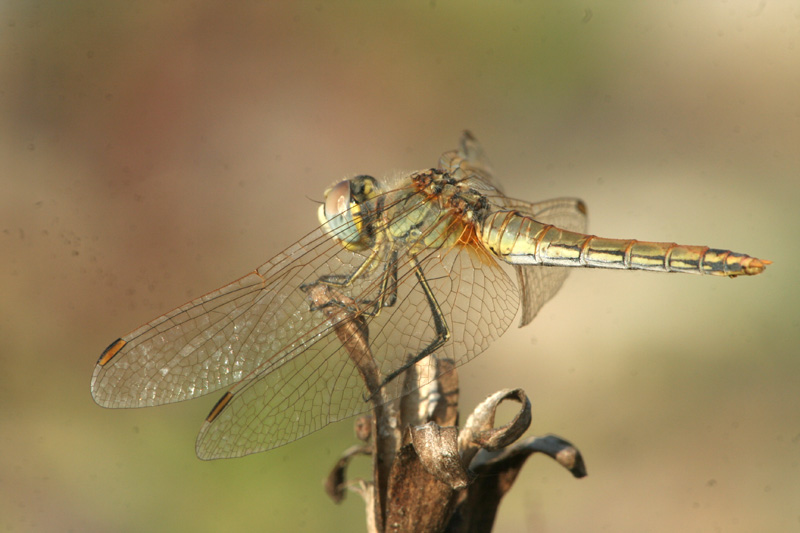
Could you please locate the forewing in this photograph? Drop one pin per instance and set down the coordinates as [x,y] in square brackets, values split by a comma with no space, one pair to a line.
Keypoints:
[289,372]
[303,392]
[469,163]
[224,337]
[320,384]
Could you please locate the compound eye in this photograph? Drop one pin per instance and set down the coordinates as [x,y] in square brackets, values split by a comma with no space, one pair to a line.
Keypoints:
[337,201]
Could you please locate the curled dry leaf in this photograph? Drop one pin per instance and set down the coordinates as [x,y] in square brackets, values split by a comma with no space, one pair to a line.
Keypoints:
[479,431]
[495,473]
[335,483]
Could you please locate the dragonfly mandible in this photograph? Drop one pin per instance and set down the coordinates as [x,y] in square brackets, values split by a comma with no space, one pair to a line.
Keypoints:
[419,263]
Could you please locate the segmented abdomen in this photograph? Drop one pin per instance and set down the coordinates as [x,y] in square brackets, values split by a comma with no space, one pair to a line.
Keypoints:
[520,240]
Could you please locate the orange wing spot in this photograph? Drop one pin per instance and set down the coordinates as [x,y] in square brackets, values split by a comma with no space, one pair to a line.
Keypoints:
[109,353]
[219,407]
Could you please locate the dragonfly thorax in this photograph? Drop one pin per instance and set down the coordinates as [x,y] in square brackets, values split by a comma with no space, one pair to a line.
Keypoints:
[437,212]
[455,197]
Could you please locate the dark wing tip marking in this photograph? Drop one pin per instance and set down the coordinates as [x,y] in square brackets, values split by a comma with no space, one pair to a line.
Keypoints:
[109,353]
[581,207]
[219,406]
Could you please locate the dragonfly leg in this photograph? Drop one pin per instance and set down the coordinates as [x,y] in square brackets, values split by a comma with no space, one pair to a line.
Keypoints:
[345,280]
[442,331]
[388,291]
[341,281]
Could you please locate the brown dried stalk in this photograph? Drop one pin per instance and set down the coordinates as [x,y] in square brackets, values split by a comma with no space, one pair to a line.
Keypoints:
[428,475]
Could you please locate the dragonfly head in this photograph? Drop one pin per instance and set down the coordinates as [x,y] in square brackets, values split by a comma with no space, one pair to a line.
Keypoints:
[345,213]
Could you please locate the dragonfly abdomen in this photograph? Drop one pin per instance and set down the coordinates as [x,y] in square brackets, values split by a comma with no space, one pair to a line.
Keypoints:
[520,240]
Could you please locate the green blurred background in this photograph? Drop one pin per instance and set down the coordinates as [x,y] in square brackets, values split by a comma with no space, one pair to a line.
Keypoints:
[153,151]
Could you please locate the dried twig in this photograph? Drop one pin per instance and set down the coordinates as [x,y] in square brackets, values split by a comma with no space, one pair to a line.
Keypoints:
[436,478]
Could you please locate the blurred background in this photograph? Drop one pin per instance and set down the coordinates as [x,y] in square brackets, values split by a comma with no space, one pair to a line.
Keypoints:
[153,151]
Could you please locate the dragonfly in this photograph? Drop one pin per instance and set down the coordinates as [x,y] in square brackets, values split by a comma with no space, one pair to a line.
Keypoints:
[425,264]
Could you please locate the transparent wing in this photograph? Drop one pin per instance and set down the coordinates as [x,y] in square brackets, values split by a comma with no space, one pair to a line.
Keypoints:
[288,372]
[536,284]
[540,283]
[469,163]
[565,213]
[223,337]
[319,384]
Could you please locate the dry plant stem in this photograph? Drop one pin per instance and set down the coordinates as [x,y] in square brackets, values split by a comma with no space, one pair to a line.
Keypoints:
[418,499]
[435,478]
[353,333]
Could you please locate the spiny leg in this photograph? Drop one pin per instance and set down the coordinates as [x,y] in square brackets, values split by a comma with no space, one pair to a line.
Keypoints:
[388,285]
[387,296]
[344,280]
[442,331]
